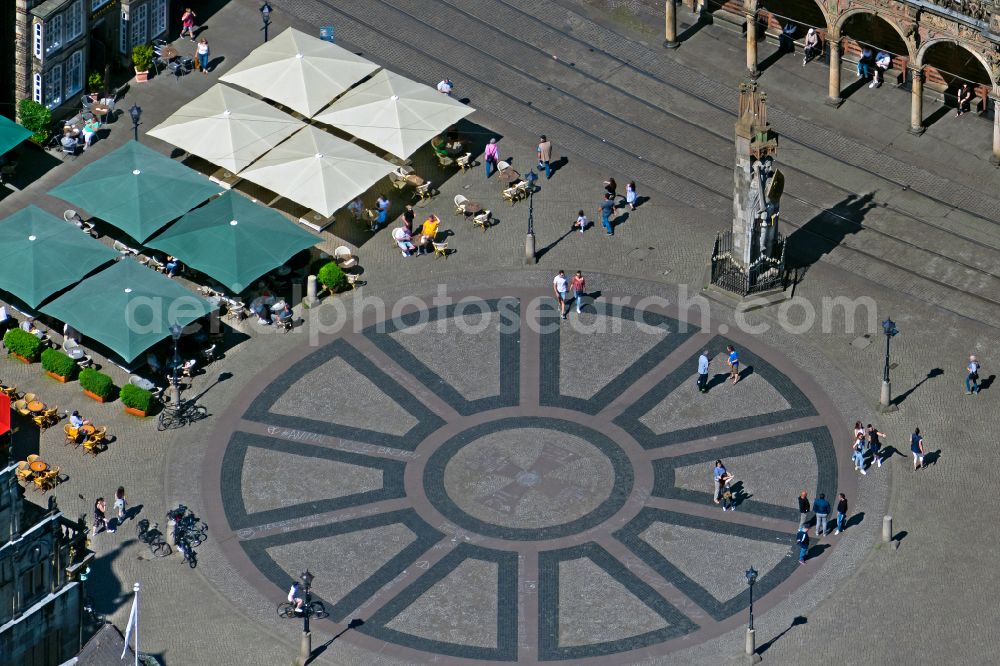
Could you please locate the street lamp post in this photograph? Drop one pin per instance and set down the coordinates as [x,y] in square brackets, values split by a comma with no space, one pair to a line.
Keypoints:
[265,16]
[529,241]
[305,649]
[751,646]
[136,113]
[889,328]
[175,386]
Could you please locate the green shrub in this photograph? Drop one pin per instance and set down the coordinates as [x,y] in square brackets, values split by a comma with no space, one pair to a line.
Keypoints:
[96,382]
[22,343]
[142,57]
[331,277]
[58,363]
[95,81]
[35,118]
[136,398]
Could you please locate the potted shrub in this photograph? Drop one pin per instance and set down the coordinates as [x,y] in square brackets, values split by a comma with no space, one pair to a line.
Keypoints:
[35,118]
[331,277]
[142,58]
[137,401]
[58,365]
[22,345]
[95,82]
[96,385]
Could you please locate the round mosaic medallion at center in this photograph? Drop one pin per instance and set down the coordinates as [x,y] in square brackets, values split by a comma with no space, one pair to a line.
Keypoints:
[528,478]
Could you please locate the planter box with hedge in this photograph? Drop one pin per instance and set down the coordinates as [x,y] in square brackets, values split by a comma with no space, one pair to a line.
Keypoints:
[58,365]
[137,401]
[331,277]
[22,344]
[96,385]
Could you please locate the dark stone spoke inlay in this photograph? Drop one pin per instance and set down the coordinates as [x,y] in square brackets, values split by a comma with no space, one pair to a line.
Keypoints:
[550,343]
[799,405]
[510,350]
[506,649]
[826,458]
[548,606]
[232,471]
[629,535]
[260,409]
[426,536]
[437,493]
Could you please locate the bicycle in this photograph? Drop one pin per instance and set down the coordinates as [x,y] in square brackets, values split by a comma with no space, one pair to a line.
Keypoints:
[179,416]
[187,526]
[152,537]
[286,609]
[187,550]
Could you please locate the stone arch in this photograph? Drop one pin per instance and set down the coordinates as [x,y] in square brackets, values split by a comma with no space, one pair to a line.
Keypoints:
[776,7]
[907,40]
[922,53]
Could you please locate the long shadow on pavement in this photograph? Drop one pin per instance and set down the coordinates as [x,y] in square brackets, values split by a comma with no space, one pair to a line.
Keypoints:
[826,230]
[796,621]
[898,400]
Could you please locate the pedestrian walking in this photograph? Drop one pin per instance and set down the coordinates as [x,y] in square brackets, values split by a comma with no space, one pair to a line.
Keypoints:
[972,376]
[579,286]
[734,363]
[865,63]
[875,444]
[187,23]
[917,447]
[100,523]
[545,156]
[822,510]
[120,504]
[803,509]
[611,187]
[581,221]
[607,209]
[802,539]
[382,204]
[408,217]
[560,286]
[703,371]
[841,513]
[203,55]
[491,156]
[630,195]
[722,479]
[858,453]
[811,46]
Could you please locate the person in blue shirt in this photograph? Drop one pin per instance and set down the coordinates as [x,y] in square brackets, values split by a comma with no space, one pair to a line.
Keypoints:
[703,372]
[917,447]
[972,378]
[720,476]
[734,363]
[822,510]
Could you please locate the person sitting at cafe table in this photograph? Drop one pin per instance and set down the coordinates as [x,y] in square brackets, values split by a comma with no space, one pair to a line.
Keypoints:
[69,142]
[89,130]
[28,325]
[285,314]
[77,421]
[171,266]
[404,240]
[428,232]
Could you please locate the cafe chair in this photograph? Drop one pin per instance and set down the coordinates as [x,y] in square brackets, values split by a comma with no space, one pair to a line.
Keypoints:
[209,354]
[23,471]
[423,191]
[510,195]
[503,166]
[397,181]
[521,190]
[92,445]
[21,406]
[10,391]
[464,162]
[440,250]
[32,458]
[29,397]
[483,219]
[123,249]
[460,202]
[354,280]
[71,435]
[40,421]
[343,256]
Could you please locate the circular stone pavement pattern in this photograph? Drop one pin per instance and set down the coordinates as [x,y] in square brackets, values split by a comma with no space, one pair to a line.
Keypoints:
[483,481]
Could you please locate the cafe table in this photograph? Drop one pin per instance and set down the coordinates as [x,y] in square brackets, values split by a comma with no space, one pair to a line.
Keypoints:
[36,406]
[38,466]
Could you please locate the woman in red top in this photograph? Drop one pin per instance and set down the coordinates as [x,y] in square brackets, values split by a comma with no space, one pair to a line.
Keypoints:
[187,23]
[579,287]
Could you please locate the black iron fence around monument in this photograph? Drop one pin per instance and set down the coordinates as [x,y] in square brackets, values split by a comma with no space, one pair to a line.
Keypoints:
[766,274]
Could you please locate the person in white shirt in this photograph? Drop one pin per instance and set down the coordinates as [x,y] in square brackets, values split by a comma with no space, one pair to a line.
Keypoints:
[76,420]
[560,286]
[882,63]
[294,598]
[445,86]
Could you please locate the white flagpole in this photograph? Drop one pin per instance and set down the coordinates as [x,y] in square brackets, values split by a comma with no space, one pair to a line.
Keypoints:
[132,619]
[135,588]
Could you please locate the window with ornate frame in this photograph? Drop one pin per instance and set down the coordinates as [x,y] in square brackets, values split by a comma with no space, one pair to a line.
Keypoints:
[53,34]
[74,74]
[52,87]
[74,21]
[158,22]
[139,27]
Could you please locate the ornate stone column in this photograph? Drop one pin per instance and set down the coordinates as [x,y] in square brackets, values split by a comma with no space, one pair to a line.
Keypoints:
[916,101]
[751,18]
[670,32]
[833,91]
[995,98]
